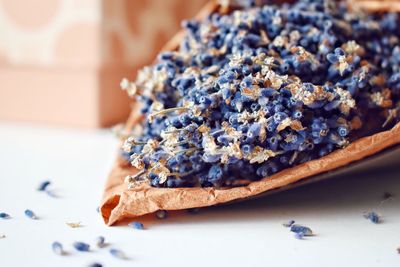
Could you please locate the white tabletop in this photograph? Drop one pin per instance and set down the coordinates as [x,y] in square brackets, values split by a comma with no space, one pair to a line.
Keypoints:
[243,234]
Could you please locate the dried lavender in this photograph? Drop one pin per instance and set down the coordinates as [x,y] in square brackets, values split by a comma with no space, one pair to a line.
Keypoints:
[81,246]
[116,253]
[100,242]
[262,89]
[4,215]
[372,216]
[57,248]
[300,230]
[136,225]
[43,185]
[30,214]
[96,264]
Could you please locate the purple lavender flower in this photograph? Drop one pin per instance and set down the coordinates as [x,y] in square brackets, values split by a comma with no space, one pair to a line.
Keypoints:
[272,87]
[136,225]
[81,246]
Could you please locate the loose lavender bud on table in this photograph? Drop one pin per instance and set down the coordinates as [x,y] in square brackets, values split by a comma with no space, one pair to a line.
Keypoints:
[4,215]
[100,241]
[43,186]
[136,225]
[30,214]
[116,253]
[303,230]
[57,248]
[95,265]
[161,214]
[81,246]
[372,216]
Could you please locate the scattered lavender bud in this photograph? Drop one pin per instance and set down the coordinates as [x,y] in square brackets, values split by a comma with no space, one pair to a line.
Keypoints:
[96,264]
[4,215]
[98,209]
[289,223]
[81,246]
[136,225]
[161,214]
[100,242]
[304,230]
[372,216]
[116,253]
[30,214]
[398,250]
[43,185]
[57,248]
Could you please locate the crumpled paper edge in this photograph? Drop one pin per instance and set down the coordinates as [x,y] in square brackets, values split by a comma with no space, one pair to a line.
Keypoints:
[119,202]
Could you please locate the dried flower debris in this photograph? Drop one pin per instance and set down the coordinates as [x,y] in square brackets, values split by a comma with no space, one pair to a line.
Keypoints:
[261,89]
[74,224]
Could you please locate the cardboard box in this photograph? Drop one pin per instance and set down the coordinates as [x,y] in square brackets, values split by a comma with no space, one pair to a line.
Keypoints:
[61,61]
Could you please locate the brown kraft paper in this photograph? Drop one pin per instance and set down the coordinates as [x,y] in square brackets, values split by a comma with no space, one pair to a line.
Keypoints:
[120,203]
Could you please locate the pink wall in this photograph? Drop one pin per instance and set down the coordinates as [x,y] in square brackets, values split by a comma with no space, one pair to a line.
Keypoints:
[61,60]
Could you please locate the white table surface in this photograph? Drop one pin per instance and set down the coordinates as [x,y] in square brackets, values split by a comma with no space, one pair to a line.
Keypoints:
[242,234]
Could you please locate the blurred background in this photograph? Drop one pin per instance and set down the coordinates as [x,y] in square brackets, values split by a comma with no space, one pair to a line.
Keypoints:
[61,61]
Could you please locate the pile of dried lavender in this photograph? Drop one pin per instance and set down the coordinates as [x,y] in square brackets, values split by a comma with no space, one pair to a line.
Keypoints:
[262,89]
